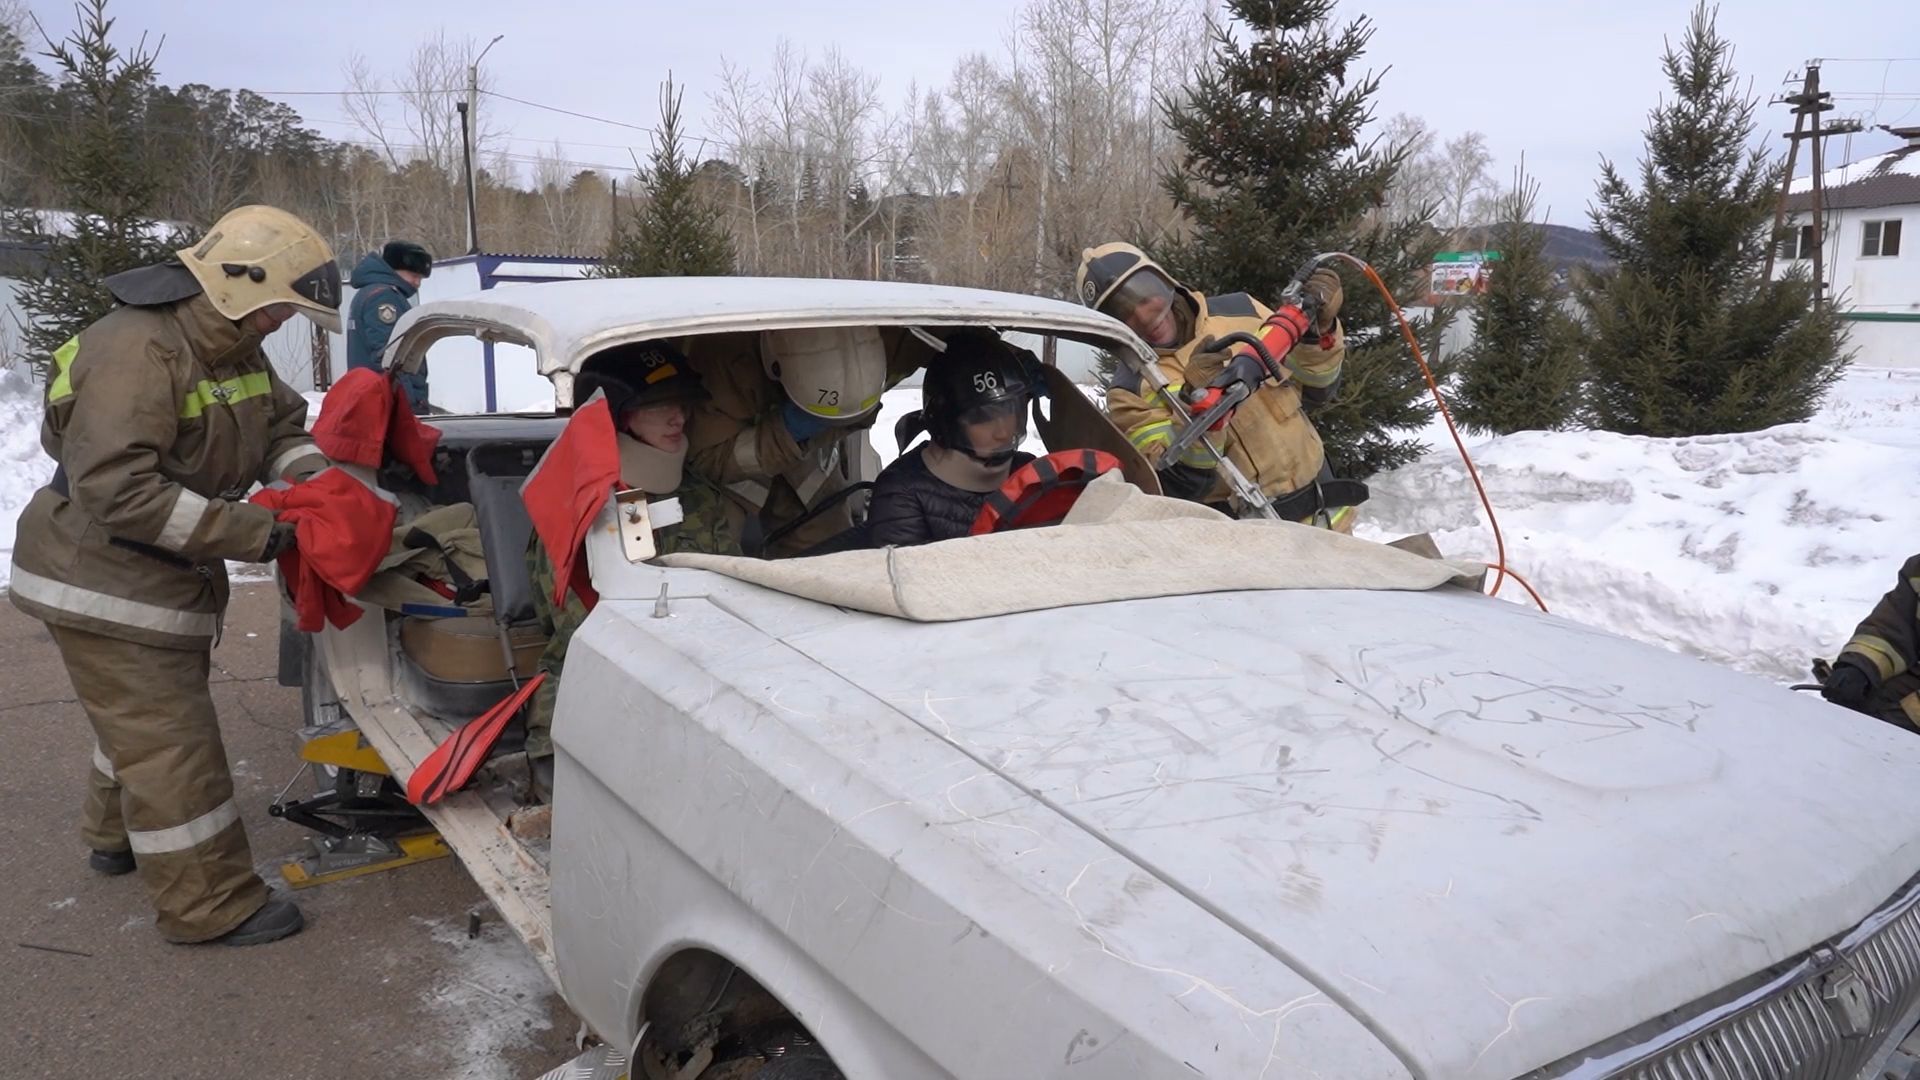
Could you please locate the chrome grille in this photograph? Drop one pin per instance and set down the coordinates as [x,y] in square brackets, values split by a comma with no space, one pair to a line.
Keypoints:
[1835,1015]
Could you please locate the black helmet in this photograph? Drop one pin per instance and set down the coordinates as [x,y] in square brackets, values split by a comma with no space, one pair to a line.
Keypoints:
[977,378]
[636,375]
[407,255]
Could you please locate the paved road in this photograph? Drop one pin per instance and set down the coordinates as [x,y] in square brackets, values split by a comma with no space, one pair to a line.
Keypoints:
[383,982]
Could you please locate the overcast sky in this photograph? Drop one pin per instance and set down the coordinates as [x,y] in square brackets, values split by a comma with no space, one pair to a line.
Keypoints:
[1562,81]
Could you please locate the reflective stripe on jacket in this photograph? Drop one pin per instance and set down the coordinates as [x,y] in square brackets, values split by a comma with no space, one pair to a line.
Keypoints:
[1269,437]
[160,418]
[1887,643]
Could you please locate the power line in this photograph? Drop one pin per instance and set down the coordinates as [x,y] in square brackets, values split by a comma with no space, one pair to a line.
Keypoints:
[690,135]
[535,158]
[722,144]
[374,144]
[349,93]
[340,121]
[570,112]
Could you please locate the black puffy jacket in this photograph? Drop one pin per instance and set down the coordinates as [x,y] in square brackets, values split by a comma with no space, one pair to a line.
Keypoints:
[911,506]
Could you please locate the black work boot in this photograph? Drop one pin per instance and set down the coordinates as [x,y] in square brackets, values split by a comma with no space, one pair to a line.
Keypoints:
[275,920]
[111,863]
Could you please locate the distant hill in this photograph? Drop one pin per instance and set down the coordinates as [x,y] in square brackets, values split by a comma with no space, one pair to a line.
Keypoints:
[1566,247]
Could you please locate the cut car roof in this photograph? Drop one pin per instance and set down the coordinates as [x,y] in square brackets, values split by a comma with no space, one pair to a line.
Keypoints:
[565,321]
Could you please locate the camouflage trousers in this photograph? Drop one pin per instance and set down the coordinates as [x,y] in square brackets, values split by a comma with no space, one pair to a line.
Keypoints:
[558,623]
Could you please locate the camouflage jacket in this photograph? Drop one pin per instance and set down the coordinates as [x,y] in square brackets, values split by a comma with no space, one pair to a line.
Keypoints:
[704,528]
[1887,646]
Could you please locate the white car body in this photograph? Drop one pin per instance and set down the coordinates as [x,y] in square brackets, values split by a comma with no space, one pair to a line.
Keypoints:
[1343,834]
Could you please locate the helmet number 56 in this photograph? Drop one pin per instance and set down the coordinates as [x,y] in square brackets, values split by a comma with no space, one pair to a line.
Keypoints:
[985,381]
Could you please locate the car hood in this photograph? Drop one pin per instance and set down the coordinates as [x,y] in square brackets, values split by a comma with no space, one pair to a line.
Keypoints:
[1494,837]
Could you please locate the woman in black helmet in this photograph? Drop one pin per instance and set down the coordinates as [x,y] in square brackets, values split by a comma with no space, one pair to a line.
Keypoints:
[974,402]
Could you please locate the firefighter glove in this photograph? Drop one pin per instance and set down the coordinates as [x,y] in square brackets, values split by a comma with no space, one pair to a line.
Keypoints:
[1218,367]
[279,541]
[1324,287]
[1848,685]
[1243,368]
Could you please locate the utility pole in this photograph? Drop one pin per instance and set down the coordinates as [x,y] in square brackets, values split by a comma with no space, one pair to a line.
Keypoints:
[1808,104]
[469,137]
[466,158]
[1786,182]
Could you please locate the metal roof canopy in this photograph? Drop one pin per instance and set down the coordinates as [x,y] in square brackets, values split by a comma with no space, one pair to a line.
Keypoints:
[565,322]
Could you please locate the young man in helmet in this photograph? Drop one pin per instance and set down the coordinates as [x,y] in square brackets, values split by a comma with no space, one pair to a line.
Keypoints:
[385,283]
[1269,436]
[161,415]
[650,390]
[1878,672]
[776,432]
[974,401]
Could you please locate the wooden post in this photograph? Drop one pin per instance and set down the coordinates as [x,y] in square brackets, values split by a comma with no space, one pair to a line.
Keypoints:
[1817,106]
[1808,104]
[1786,182]
[322,358]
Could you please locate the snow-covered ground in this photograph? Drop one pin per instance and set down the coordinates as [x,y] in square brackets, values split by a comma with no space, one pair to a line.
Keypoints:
[489,994]
[24,468]
[1758,550]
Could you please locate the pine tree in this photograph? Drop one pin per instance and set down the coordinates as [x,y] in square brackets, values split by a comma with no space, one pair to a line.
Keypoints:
[1276,170]
[1524,369]
[24,97]
[101,168]
[678,232]
[1685,337]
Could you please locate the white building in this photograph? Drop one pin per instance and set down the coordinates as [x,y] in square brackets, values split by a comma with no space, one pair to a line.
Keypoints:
[1871,246]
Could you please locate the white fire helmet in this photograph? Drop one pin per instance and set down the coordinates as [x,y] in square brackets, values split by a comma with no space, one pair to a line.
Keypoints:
[836,373]
[259,256]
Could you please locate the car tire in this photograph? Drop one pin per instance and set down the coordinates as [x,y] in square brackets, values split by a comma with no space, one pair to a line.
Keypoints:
[800,1063]
[774,1055]
[809,1065]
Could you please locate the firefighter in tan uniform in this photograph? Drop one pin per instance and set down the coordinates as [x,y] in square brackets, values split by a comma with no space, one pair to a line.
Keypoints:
[1269,437]
[777,429]
[161,416]
[1878,672]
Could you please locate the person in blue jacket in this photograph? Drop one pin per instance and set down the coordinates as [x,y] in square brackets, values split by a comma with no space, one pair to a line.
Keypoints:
[384,286]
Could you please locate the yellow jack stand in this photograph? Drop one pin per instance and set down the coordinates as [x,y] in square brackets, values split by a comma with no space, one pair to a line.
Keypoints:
[364,825]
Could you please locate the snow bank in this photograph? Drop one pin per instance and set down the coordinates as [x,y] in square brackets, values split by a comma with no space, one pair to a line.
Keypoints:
[1755,550]
[23,467]
[488,996]
[1876,404]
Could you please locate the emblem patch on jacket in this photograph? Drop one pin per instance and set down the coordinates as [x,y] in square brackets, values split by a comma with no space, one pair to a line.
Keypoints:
[386,313]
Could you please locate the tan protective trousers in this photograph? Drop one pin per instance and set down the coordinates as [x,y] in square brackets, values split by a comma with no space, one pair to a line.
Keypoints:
[160,785]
